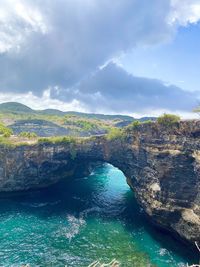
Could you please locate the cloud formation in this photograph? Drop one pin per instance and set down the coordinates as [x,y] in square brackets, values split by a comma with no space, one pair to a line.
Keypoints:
[114,89]
[184,12]
[61,44]
[72,38]
[18,20]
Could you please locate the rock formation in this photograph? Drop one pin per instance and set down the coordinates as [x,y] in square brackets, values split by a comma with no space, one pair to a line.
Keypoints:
[162,166]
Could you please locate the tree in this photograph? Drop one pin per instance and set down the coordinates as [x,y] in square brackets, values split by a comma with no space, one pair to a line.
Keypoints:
[5,131]
[168,119]
[28,135]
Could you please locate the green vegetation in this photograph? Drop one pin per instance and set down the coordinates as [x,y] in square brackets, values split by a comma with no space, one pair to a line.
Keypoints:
[28,135]
[52,122]
[115,133]
[5,131]
[168,119]
[135,124]
[15,108]
[6,142]
[85,125]
[148,122]
[62,140]
[57,140]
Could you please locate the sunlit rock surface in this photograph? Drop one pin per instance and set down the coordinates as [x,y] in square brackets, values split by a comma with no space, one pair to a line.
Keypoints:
[162,167]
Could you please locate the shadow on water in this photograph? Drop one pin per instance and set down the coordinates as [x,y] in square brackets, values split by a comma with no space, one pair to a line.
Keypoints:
[136,219]
[101,195]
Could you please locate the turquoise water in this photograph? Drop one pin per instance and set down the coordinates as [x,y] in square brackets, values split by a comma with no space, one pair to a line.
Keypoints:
[77,222]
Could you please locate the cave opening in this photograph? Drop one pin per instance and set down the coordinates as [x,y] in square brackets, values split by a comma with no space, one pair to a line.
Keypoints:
[82,219]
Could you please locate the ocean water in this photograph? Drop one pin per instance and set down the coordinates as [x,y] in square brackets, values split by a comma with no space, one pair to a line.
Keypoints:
[82,220]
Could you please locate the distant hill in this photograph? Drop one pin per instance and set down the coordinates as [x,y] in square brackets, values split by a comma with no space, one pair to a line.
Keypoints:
[17,108]
[14,107]
[40,127]
[56,112]
[51,112]
[53,122]
[100,116]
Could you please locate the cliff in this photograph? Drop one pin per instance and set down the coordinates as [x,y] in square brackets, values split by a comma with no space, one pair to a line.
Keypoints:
[162,166]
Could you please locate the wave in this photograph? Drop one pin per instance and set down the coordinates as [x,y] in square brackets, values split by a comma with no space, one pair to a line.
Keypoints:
[85,212]
[40,205]
[74,226]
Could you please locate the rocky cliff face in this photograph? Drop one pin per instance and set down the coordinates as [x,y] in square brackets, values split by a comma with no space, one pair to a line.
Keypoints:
[162,167]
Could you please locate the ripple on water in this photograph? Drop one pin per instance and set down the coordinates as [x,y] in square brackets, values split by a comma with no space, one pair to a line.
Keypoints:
[77,222]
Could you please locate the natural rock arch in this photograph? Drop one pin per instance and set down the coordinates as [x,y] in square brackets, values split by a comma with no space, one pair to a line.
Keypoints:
[162,166]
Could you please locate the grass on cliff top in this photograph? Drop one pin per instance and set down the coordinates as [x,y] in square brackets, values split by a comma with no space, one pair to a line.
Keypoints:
[168,120]
[115,134]
[58,139]
[71,122]
[16,141]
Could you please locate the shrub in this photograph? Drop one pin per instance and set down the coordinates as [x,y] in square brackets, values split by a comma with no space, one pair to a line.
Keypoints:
[115,133]
[135,124]
[148,122]
[4,141]
[7,134]
[44,140]
[5,131]
[57,139]
[168,119]
[28,135]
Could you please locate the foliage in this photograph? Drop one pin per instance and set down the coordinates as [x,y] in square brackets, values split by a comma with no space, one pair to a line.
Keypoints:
[76,123]
[115,133]
[168,119]
[15,108]
[147,122]
[5,141]
[5,131]
[28,135]
[62,140]
[84,124]
[135,124]
[57,139]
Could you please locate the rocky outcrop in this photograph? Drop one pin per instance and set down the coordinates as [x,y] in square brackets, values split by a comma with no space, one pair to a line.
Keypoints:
[162,166]
[39,127]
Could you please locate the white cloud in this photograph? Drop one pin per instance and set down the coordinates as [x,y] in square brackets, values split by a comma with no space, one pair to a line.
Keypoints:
[43,102]
[46,102]
[58,44]
[18,19]
[184,12]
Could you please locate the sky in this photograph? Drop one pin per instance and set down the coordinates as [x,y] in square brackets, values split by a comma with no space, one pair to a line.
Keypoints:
[136,57]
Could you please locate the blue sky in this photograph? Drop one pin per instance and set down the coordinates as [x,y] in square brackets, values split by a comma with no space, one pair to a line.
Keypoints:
[176,62]
[137,57]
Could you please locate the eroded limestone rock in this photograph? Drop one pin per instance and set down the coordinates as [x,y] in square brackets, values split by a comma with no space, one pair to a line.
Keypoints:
[162,167]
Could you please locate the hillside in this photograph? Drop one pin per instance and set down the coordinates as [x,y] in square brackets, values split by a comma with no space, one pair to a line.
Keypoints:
[53,122]
[14,107]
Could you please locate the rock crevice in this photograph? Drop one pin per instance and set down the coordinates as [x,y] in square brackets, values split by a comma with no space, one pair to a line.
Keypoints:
[162,167]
